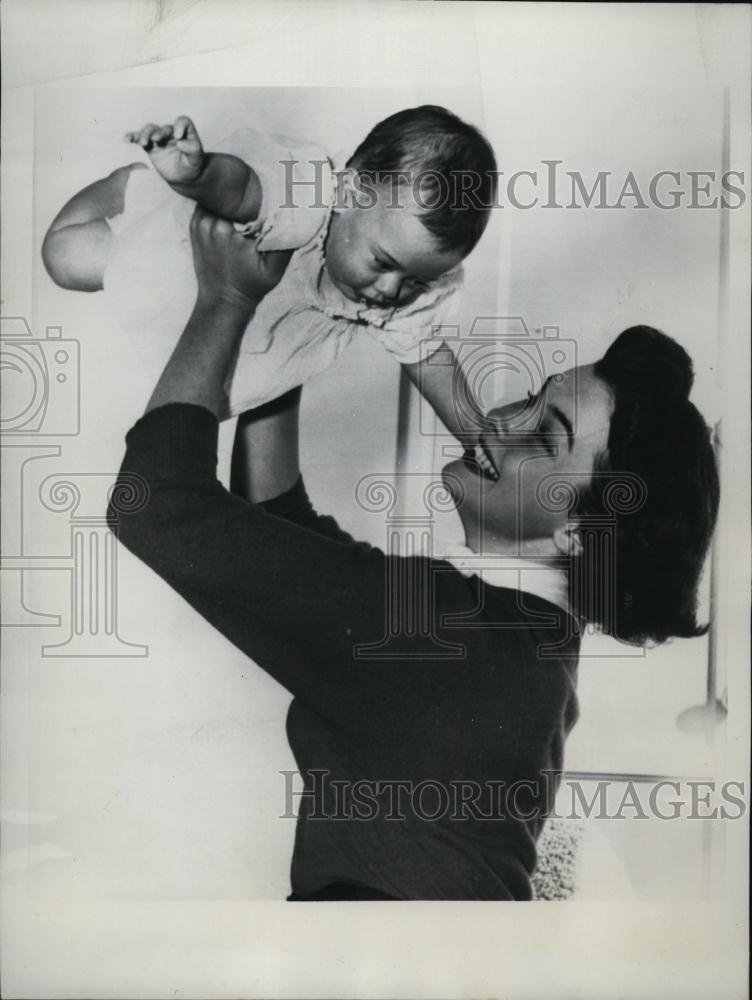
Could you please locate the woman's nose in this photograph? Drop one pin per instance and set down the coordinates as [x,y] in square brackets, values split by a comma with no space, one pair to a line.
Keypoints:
[499,421]
[515,418]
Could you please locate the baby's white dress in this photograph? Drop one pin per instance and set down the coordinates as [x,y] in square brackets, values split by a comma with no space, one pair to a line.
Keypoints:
[304,323]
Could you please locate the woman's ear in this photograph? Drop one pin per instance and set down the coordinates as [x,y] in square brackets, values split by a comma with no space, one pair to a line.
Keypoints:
[568,540]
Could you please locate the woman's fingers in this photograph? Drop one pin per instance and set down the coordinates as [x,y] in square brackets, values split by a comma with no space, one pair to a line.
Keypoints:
[229,265]
[207,224]
[200,218]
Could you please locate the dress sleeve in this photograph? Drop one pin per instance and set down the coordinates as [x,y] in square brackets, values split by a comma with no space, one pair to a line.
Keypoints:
[295,598]
[296,185]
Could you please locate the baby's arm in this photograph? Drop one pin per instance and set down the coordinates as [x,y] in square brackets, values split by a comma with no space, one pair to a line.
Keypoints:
[442,382]
[220,183]
[77,245]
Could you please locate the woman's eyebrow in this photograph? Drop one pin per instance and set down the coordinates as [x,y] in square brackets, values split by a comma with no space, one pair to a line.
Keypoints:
[560,415]
[564,421]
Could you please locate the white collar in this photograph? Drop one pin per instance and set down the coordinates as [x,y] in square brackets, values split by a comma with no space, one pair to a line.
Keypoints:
[540,577]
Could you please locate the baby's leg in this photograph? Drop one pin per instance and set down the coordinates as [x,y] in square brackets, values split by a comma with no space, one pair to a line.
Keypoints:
[77,244]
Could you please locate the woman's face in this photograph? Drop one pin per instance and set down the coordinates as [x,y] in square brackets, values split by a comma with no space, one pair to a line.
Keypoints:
[553,438]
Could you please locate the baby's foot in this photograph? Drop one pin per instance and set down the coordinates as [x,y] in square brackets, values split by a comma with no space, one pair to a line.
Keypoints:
[175,150]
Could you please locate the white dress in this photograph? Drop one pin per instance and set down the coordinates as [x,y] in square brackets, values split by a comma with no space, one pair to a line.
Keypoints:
[304,323]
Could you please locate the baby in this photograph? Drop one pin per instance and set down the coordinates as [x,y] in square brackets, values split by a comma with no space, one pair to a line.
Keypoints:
[378,246]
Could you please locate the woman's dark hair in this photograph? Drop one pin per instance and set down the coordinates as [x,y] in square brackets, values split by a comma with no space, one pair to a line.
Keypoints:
[658,487]
[451,166]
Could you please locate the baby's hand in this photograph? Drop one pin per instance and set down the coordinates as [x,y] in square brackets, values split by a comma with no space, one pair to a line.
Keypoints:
[175,150]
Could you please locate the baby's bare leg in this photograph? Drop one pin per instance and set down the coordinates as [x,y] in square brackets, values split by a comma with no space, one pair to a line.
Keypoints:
[77,245]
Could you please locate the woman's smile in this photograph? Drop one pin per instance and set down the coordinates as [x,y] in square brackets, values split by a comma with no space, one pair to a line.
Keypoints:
[478,460]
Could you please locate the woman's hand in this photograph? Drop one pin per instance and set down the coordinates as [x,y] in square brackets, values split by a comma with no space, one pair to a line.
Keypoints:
[232,279]
[229,268]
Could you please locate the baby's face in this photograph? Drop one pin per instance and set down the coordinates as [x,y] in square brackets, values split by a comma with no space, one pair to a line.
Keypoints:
[384,255]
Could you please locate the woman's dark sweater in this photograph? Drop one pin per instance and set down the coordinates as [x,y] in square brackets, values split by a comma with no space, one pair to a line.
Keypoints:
[429,752]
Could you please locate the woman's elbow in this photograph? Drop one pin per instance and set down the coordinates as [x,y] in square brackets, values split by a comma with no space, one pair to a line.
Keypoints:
[129,514]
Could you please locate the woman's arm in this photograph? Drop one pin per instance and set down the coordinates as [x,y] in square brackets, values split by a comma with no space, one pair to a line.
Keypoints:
[296,602]
[232,278]
[287,596]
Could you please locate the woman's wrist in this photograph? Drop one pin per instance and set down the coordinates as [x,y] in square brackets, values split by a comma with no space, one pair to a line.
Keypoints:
[226,308]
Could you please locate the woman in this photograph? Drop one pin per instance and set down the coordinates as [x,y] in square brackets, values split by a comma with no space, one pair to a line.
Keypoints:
[428,771]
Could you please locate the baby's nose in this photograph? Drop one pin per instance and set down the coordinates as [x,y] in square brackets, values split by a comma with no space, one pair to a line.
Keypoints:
[388,286]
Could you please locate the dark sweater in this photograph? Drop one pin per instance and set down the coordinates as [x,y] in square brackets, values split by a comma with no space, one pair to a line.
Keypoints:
[475,691]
